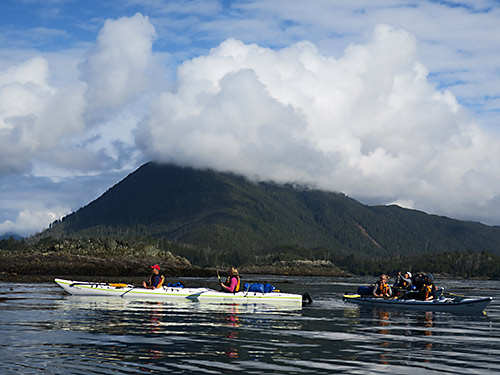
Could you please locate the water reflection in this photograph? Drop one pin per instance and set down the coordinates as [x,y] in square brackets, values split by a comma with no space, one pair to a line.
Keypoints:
[154,328]
[154,317]
[179,329]
[427,321]
[426,340]
[233,321]
[382,319]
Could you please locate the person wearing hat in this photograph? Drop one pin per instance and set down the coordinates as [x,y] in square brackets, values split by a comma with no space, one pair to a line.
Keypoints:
[382,288]
[403,281]
[232,283]
[402,284]
[156,280]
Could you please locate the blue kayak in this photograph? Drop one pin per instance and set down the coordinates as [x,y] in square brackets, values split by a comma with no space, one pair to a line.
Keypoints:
[454,304]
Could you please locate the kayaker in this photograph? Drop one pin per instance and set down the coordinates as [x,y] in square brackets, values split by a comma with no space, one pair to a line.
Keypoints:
[382,288]
[418,280]
[428,288]
[156,280]
[403,280]
[232,283]
[402,284]
[414,290]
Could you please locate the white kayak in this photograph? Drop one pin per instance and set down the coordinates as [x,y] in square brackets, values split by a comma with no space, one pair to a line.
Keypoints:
[83,288]
[454,304]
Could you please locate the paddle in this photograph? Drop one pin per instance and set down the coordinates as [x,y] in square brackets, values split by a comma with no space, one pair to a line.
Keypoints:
[220,281]
[133,287]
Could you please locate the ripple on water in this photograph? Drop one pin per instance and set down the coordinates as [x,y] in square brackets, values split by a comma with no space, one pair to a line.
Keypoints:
[45,331]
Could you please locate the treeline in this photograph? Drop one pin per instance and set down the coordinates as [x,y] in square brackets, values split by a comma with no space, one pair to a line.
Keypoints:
[456,264]
[13,244]
[452,263]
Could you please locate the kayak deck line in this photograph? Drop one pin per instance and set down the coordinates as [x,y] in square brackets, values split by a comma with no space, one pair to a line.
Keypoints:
[198,294]
[103,287]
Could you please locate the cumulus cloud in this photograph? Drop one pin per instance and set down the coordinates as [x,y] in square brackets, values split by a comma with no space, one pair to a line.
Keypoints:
[29,221]
[368,123]
[33,114]
[120,64]
[42,122]
[80,124]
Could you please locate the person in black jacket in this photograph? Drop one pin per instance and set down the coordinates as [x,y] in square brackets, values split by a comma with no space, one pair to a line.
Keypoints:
[402,284]
[156,280]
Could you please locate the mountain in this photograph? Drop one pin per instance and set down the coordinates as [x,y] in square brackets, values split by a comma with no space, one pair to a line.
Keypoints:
[228,215]
[9,235]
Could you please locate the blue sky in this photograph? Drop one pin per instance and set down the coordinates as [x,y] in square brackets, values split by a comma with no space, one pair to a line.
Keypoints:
[388,101]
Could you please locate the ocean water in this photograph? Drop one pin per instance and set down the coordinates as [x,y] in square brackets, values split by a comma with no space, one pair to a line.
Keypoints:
[45,331]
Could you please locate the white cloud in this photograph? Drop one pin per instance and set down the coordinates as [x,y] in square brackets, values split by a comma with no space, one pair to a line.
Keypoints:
[30,203]
[42,123]
[454,39]
[29,221]
[53,122]
[368,123]
[119,65]
[338,111]
[34,116]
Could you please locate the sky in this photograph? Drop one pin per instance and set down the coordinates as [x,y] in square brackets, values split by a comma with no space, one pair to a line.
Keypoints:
[387,101]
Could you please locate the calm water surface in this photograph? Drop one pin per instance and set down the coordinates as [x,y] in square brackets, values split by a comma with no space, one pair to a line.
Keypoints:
[43,330]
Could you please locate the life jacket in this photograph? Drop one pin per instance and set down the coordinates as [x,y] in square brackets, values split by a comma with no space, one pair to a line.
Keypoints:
[427,290]
[228,282]
[160,283]
[162,280]
[384,288]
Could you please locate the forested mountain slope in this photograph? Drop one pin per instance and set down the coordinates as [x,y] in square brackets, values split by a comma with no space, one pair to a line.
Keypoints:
[226,213]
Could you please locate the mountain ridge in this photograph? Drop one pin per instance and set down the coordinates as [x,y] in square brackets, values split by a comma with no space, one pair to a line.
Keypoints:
[226,213]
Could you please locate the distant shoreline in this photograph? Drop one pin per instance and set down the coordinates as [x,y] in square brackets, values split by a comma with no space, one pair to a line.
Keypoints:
[47,266]
[43,266]
[137,279]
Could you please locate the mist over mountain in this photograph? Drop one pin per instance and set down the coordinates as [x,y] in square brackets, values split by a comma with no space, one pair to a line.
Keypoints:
[229,214]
